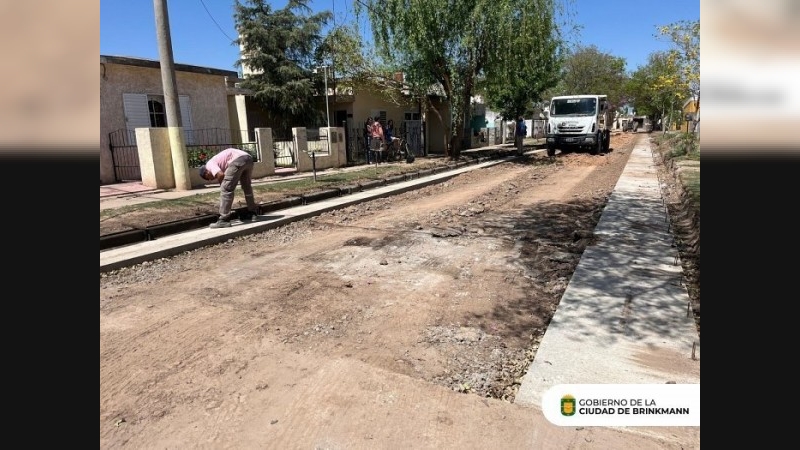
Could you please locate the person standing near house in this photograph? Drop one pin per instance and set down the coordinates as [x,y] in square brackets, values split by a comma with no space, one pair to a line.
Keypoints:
[228,168]
[376,138]
[367,138]
[519,135]
[388,133]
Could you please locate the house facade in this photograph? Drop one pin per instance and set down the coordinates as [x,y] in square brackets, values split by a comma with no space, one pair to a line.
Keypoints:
[351,106]
[210,101]
[132,96]
[689,115]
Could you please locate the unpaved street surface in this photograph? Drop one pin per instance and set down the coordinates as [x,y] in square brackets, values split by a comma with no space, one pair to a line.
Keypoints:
[404,322]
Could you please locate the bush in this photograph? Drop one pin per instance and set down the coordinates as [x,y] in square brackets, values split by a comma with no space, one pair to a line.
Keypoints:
[198,156]
[685,145]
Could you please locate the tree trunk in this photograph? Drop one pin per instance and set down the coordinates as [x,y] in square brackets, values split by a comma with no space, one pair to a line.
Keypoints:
[455,145]
[462,120]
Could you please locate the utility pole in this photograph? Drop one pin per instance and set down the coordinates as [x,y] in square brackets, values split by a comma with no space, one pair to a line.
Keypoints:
[333,57]
[327,109]
[180,160]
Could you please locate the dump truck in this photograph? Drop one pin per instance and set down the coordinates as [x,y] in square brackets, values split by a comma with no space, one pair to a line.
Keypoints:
[578,122]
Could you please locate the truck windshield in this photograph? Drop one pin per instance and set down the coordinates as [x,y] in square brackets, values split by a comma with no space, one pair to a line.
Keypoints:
[574,107]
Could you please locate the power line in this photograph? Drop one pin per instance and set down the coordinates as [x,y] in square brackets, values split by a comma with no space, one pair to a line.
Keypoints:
[213,20]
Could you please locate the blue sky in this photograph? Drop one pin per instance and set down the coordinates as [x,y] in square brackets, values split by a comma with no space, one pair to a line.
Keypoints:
[202,30]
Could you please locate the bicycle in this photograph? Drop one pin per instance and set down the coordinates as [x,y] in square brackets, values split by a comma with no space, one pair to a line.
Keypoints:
[399,151]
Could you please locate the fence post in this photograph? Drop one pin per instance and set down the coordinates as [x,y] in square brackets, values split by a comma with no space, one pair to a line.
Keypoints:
[155,158]
[300,137]
[266,157]
[340,148]
[314,164]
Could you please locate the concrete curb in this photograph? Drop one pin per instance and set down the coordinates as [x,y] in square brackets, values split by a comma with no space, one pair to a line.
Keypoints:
[116,258]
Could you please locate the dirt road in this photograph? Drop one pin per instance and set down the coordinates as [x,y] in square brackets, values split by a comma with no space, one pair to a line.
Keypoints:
[404,322]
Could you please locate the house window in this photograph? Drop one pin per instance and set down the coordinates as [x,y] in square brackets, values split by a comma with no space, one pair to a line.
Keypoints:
[158,114]
[411,116]
[380,115]
[148,111]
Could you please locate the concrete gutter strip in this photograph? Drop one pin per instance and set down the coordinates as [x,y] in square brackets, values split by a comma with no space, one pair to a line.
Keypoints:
[117,258]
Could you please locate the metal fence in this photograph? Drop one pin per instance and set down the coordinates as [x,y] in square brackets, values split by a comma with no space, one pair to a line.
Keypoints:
[356,145]
[203,144]
[209,141]
[125,155]
[539,131]
[283,150]
[357,142]
[219,136]
[317,142]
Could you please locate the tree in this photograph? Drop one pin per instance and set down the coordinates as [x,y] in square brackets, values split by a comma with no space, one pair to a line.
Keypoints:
[448,45]
[685,54]
[655,88]
[343,50]
[531,66]
[277,51]
[358,66]
[587,70]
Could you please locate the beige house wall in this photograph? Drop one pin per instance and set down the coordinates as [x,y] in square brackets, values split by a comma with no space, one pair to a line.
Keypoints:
[207,92]
[367,102]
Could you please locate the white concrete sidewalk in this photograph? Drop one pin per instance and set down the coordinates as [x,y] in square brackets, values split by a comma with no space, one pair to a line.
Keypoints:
[624,317]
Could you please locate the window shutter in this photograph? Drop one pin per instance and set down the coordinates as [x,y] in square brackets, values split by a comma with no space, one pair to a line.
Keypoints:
[186,118]
[136,113]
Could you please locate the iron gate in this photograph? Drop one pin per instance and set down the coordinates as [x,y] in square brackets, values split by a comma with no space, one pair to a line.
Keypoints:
[124,155]
[411,131]
[356,145]
[283,150]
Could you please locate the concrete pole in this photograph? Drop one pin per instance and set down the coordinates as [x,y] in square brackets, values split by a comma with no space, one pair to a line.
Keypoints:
[327,109]
[180,160]
[327,114]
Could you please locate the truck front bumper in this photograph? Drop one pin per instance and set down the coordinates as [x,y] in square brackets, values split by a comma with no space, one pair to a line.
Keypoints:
[556,140]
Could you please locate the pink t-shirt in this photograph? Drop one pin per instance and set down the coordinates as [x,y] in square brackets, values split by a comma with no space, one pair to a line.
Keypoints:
[377,130]
[219,162]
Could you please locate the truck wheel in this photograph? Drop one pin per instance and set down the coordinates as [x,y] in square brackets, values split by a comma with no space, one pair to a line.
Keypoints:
[606,142]
[598,145]
[551,151]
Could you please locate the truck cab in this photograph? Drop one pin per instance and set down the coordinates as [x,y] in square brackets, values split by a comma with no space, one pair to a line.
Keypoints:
[576,122]
[642,124]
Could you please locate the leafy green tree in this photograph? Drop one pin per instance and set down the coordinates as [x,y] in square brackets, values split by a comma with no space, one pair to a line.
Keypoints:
[445,47]
[358,67]
[587,70]
[655,89]
[277,56]
[531,64]
[344,51]
[685,54]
